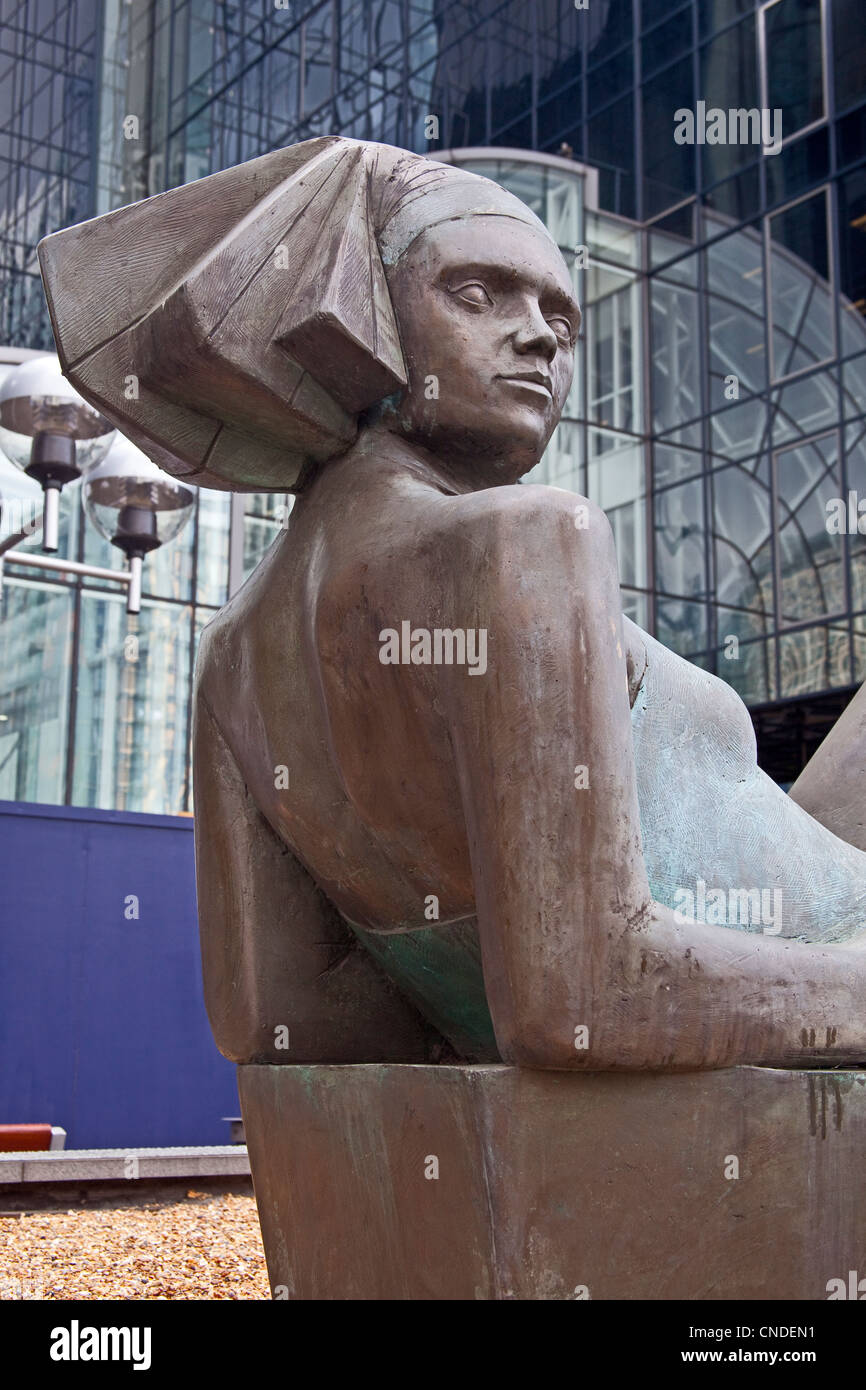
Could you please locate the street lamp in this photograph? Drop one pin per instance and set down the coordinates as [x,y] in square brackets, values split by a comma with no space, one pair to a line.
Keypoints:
[50,432]
[135,506]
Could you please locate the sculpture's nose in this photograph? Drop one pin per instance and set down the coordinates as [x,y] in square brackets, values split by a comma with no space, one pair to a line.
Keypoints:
[533,334]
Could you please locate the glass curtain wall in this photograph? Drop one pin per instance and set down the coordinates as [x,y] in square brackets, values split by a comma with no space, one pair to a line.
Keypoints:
[719,408]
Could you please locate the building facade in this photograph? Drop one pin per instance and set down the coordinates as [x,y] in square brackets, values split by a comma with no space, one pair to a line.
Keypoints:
[719,407]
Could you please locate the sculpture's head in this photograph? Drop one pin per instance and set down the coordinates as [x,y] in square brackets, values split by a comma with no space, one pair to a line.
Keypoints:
[244,328]
[488,323]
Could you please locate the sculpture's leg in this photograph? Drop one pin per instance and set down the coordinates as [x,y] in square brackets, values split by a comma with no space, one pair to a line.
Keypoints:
[832,786]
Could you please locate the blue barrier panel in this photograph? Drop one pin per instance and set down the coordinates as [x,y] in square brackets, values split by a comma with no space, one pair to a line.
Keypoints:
[103,1028]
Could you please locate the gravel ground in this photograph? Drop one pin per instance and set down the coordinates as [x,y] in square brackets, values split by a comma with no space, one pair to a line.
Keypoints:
[191,1244]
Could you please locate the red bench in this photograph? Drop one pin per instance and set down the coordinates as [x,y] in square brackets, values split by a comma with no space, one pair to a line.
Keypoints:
[30,1138]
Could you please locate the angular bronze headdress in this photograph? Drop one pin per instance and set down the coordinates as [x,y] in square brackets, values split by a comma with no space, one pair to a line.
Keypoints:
[236,327]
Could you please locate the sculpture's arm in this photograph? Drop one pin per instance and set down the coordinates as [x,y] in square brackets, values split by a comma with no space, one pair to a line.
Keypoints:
[284,979]
[570,937]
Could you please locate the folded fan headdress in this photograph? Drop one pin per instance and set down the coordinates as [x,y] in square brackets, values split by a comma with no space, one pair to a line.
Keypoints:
[236,327]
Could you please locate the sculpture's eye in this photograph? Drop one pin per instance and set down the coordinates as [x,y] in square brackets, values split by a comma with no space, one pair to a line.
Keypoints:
[475,294]
[563,329]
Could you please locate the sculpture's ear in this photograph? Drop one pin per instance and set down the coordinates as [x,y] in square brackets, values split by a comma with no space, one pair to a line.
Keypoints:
[234,327]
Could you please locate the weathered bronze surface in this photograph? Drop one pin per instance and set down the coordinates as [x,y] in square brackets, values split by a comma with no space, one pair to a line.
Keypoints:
[379,1182]
[406,857]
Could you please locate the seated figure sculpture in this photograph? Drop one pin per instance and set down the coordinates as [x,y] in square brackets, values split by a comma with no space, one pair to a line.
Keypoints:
[448,798]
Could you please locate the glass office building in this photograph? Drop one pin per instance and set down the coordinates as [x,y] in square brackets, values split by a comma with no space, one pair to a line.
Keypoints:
[719,406]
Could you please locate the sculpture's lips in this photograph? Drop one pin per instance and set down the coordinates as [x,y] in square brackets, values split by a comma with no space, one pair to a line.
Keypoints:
[536,381]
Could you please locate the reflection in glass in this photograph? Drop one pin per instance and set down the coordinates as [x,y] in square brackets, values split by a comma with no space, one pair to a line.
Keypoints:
[806,406]
[854,387]
[212,563]
[859,648]
[794,49]
[815,659]
[35,647]
[852,263]
[265,515]
[739,431]
[317,59]
[669,168]
[855,481]
[809,558]
[682,626]
[743,659]
[674,465]
[675,326]
[743,549]
[801,297]
[613,347]
[563,460]
[680,545]
[798,166]
[729,79]
[735,283]
[133,705]
[616,480]
[849,51]
[636,606]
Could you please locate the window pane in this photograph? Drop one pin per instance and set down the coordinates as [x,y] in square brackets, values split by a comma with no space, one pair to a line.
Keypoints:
[617,482]
[806,406]
[35,655]
[855,464]
[666,42]
[809,558]
[852,235]
[213,547]
[729,79]
[680,548]
[747,665]
[132,711]
[611,149]
[802,301]
[794,51]
[562,462]
[265,515]
[653,11]
[676,392]
[813,660]
[739,431]
[317,59]
[674,465]
[735,281]
[714,14]
[849,58]
[854,387]
[682,626]
[743,548]
[669,168]
[798,166]
[738,198]
[613,347]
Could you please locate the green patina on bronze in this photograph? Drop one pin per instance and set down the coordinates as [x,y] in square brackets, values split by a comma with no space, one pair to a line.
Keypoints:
[439,968]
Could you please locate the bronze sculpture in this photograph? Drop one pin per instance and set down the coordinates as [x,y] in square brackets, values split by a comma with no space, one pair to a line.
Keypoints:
[403,856]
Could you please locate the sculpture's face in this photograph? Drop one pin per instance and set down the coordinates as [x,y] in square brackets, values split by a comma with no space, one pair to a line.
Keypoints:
[488,323]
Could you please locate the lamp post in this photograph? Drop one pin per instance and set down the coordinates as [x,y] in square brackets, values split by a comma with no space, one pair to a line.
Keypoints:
[135,506]
[50,432]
